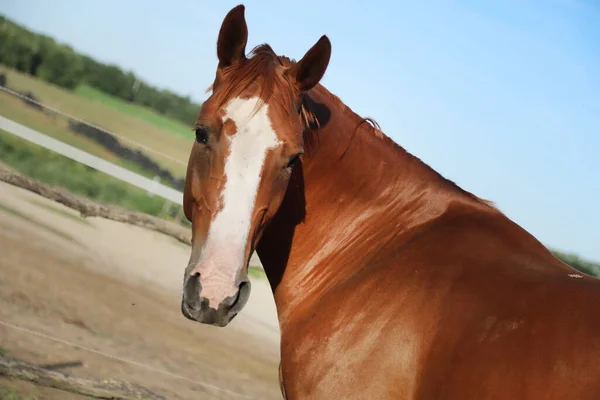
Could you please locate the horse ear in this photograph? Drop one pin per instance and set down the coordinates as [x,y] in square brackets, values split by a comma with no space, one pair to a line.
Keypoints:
[310,69]
[233,36]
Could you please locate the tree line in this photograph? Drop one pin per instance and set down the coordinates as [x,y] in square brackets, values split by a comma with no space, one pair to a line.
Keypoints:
[585,266]
[41,56]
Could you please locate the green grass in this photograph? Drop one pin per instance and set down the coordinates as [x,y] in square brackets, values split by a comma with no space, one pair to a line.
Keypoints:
[3,351]
[256,273]
[57,170]
[144,113]
[130,121]
[56,127]
[8,393]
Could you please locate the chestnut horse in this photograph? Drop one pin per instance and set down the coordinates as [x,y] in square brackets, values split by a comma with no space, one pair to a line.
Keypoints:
[390,281]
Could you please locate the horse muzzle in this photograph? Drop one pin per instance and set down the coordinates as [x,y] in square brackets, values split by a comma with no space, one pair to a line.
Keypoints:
[207,307]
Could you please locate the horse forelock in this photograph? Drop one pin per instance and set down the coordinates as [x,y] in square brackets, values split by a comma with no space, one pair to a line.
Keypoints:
[262,67]
[265,68]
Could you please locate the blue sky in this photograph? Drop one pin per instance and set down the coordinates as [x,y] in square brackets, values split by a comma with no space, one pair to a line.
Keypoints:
[503,97]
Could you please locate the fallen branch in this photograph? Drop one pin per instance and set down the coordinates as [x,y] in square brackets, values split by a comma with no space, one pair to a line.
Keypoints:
[106,389]
[89,208]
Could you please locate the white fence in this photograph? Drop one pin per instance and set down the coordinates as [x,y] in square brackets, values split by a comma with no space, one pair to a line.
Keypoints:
[149,185]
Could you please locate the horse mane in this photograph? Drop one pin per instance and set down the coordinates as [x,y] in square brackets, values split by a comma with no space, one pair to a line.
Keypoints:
[264,65]
[375,129]
[372,127]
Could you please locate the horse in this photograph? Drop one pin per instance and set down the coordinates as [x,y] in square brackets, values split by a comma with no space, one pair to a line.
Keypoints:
[390,281]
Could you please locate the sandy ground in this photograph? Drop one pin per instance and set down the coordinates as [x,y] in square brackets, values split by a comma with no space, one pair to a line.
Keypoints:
[116,289]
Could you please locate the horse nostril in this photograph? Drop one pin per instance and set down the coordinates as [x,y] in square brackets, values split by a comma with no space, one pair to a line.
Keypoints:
[242,297]
[191,291]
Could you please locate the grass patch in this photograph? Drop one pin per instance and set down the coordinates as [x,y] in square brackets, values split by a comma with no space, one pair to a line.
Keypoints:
[3,351]
[61,212]
[57,127]
[8,393]
[256,272]
[42,225]
[128,120]
[54,169]
[134,110]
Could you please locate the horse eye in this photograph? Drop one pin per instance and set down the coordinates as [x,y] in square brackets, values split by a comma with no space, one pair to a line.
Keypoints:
[202,135]
[293,161]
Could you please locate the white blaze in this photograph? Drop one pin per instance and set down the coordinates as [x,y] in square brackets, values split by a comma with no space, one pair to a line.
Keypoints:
[225,245]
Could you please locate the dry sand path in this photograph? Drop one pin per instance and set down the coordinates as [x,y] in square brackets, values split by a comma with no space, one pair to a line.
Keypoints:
[116,288]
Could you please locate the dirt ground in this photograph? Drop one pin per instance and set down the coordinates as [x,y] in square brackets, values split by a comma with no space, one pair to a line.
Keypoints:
[108,295]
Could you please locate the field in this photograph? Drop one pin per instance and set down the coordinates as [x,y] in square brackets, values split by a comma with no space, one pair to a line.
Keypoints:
[44,165]
[131,121]
[133,110]
[114,288]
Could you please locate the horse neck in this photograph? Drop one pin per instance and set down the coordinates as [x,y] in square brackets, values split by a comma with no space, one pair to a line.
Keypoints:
[355,196]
